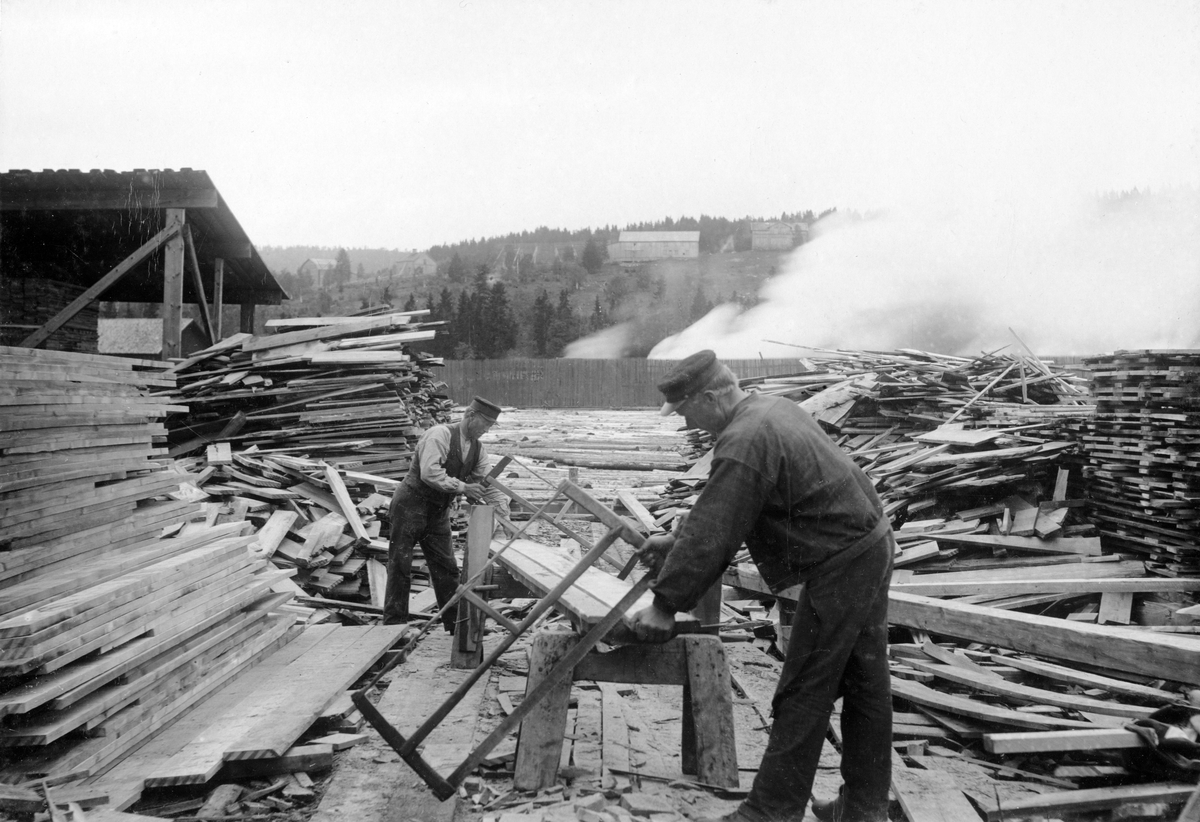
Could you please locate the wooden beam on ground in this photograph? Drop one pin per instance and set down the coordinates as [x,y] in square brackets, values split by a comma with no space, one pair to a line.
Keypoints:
[1085,546]
[1067,803]
[1098,739]
[1176,659]
[1018,587]
[100,286]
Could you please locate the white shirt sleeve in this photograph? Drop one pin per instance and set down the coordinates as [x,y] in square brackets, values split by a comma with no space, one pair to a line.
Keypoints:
[432,450]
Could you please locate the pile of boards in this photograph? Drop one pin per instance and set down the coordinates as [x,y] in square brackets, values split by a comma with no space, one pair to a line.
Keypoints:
[346,390]
[1143,455]
[140,632]
[117,612]
[937,435]
[27,303]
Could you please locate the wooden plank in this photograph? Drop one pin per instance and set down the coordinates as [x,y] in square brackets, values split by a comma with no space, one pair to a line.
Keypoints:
[324,332]
[1024,693]
[929,795]
[349,511]
[199,752]
[125,780]
[274,724]
[594,594]
[1116,608]
[267,540]
[634,506]
[1091,799]
[1176,659]
[299,758]
[1084,546]
[1088,680]
[921,695]
[1070,585]
[1098,739]
[614,734]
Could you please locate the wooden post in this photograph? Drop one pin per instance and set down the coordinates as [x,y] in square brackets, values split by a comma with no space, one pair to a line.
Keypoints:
[172,310]
[247,323]
[539,743]
[218,294]
[467,648]
[708,695]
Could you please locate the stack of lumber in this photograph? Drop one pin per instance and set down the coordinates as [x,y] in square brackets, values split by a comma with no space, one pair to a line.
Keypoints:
[1143,450]
[342,389]
[26,304]
[937,435]
[116,612]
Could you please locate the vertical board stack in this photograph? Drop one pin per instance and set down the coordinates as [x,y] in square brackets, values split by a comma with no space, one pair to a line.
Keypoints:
[117,613]
[1143,452]
[27,303]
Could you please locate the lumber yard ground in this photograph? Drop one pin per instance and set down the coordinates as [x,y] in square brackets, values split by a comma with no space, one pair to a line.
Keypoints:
[1023,649]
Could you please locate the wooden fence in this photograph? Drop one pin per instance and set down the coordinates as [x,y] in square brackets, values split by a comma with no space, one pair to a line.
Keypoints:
[566,383]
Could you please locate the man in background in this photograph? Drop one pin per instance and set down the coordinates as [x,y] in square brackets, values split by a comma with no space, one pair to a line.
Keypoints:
[808,515]
[450,460]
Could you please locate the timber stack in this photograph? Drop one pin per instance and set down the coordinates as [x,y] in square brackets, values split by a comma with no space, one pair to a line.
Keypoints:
[346,390]
[118,611]
[1143,452]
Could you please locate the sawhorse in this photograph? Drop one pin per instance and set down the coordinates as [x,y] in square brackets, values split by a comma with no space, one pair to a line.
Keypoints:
[695,661]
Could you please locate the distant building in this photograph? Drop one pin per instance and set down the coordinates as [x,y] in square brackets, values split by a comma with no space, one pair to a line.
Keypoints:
[414,264]
[642,246]
[319,268]
[143,338]
[777,236]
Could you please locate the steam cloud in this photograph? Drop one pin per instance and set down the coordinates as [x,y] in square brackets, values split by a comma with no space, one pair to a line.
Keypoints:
[1075,277]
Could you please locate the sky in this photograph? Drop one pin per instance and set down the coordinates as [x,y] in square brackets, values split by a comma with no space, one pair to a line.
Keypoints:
[981,128]
[405,124]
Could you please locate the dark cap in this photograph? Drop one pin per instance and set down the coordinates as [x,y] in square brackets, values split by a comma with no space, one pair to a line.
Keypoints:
[485,408]
[687,377]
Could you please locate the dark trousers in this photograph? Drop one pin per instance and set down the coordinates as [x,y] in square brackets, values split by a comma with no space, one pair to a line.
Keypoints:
[838,647]
[417,520]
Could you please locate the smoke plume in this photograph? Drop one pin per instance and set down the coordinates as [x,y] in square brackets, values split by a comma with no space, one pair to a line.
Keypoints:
[1067,278]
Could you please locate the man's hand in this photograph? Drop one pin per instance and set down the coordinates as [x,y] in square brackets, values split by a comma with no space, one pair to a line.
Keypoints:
[651,624]
[654,550]
[473,490]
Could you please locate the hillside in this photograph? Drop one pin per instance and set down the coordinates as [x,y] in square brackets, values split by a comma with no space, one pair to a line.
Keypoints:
[657,298]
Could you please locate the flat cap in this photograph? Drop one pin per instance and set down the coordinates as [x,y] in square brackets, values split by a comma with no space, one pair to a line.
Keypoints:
[687,377]
[485,408]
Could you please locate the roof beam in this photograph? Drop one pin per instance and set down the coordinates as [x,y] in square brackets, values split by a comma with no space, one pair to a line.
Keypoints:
[18,199]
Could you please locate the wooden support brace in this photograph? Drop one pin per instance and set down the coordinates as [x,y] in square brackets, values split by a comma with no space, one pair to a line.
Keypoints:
[81,302]
[198,284]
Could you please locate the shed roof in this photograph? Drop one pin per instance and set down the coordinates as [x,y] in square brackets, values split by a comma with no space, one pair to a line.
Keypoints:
[76,226]
[660,237]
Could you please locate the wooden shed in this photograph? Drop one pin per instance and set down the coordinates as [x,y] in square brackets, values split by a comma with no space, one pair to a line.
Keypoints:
[130,236]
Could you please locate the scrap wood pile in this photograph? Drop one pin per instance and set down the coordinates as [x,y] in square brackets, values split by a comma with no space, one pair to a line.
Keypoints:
[1143,452]
[937,435]
[117,612]
[1031,648]
[346,390]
